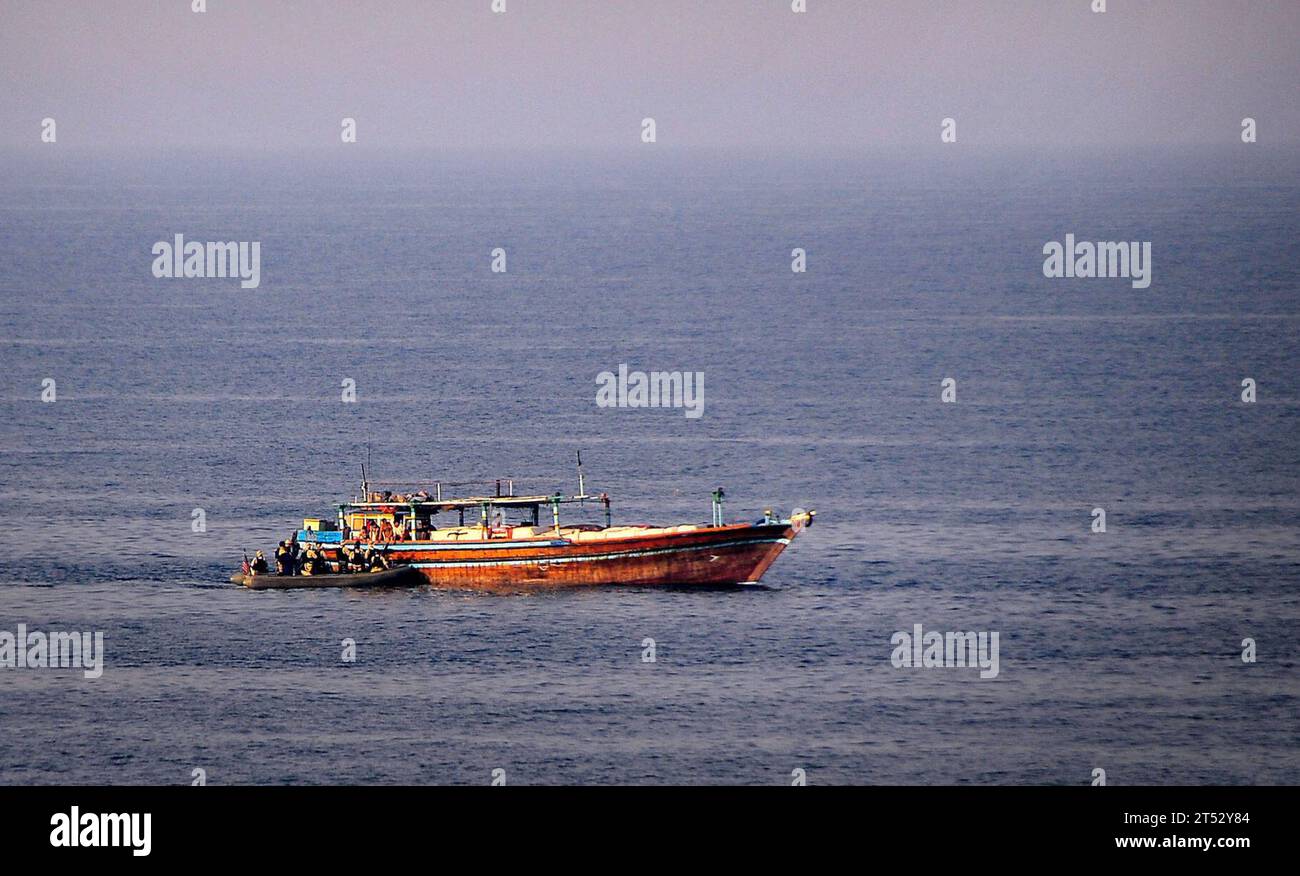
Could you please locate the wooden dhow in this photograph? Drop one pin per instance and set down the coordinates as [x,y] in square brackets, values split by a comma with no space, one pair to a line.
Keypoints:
[507,541]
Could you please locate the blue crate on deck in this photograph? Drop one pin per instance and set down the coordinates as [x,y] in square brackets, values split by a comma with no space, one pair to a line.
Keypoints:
[327,537]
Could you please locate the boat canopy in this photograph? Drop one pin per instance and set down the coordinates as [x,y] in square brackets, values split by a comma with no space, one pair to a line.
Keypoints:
[411,507]
[441,505]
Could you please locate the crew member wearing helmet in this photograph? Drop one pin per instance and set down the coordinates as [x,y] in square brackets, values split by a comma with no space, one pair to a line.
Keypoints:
[310,560]
[283,559]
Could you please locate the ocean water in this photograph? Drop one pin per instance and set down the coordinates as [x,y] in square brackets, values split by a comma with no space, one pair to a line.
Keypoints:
[1118,650]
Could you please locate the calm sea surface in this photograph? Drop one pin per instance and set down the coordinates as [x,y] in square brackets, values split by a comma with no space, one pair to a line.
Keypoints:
[1119,651]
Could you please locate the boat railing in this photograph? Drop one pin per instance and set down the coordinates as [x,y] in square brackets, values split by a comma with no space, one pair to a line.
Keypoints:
[508,484]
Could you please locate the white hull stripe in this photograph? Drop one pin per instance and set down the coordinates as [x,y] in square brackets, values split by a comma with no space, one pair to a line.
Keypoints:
[550,561]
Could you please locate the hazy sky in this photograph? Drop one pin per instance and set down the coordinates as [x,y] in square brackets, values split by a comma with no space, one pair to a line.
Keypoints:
[281,74]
